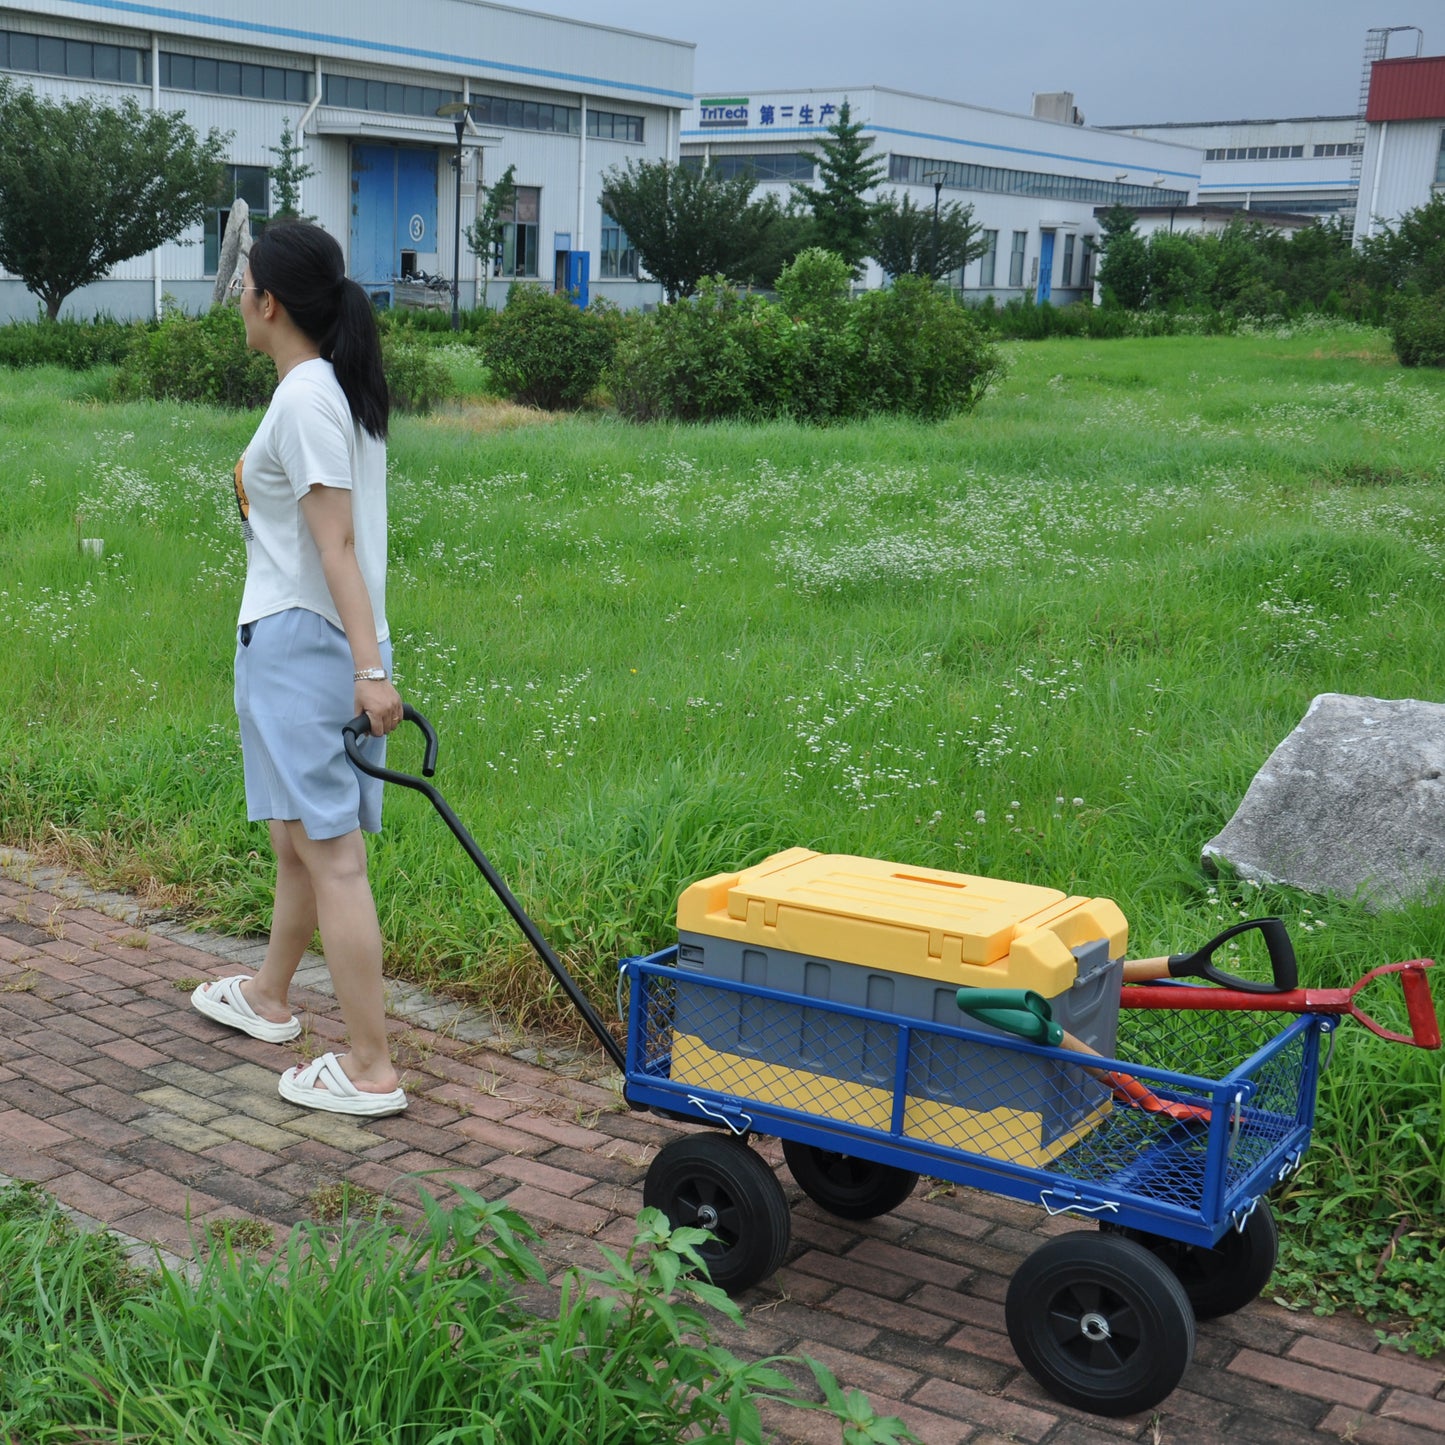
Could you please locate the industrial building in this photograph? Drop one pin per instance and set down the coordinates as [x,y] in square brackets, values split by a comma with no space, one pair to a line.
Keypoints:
[1308,166]
[1403,164]
[360,82]
[1369,167]
[1034,181]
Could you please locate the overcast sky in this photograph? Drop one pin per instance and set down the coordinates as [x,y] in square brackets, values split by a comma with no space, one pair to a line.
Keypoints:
[1125,60]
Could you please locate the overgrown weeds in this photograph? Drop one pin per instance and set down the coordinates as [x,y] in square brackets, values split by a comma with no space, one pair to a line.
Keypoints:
[365,1332]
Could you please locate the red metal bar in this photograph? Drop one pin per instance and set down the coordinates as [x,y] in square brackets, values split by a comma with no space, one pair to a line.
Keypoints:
[1424,1026]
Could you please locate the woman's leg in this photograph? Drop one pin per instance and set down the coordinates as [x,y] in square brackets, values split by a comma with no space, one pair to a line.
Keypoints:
[293,924]
[351,941]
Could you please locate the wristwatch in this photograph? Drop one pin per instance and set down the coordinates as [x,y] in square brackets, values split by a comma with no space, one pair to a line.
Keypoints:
[369,674]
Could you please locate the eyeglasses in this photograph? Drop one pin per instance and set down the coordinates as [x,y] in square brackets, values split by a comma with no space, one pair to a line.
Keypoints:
[236,287]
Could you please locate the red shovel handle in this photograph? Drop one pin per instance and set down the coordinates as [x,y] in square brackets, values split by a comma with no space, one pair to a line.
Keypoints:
[1424,1027]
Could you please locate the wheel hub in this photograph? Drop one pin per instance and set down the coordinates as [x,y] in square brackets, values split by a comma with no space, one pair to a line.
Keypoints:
[1094,1327]
[707,1216]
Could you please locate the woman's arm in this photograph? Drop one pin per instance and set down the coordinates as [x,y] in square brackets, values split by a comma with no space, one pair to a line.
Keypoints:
[327,511]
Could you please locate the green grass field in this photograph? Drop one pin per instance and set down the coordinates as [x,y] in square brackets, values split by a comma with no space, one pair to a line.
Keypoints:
[1050,641]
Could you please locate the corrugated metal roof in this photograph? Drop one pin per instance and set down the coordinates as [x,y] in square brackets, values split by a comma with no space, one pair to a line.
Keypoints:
[1408,88]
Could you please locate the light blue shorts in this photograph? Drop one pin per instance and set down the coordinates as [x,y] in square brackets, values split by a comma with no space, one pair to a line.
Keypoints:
[294,693]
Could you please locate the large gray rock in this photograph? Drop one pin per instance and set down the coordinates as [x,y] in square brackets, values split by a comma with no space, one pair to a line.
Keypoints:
[235,249]
[1351,803]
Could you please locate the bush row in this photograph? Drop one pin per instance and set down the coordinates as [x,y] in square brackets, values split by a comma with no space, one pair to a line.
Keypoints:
[205,359]
[814,354]
[75,345]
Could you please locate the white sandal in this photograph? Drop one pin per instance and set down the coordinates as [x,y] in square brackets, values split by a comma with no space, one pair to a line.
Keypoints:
[323,1084]
[221,999]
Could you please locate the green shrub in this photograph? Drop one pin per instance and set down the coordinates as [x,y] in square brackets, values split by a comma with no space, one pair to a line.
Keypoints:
[544,351]
[416,377]
[814,355]
[197,359]
[823,349]
[919,352]
[1417,329]
[75,345]
[719,353]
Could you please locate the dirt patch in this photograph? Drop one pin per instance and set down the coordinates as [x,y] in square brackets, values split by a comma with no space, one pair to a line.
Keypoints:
[1379,358]
[491,414]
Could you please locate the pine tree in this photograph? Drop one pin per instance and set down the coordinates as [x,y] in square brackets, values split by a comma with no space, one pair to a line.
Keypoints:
[848,169]
[287,175]
[484,235]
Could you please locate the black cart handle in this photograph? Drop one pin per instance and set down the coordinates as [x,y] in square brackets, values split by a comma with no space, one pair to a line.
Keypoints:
[360,727]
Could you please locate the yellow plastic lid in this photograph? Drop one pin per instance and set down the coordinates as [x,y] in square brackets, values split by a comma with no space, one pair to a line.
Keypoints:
[902,919]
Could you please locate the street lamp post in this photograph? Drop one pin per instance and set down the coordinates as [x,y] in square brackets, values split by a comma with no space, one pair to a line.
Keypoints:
[456,111]
[937,178]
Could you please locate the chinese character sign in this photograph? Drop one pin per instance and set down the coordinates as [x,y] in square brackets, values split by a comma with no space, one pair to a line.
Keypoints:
[738,113]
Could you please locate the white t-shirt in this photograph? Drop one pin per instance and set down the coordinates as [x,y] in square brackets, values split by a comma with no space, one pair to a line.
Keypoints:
[308,438]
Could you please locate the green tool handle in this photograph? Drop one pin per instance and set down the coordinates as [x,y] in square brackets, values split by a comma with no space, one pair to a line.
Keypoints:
[1018,1011]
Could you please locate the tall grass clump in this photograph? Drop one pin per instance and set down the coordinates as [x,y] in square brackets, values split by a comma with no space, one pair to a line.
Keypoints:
[446,1333]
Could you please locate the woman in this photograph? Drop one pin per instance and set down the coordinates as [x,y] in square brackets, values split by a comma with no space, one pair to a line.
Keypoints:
[312,653]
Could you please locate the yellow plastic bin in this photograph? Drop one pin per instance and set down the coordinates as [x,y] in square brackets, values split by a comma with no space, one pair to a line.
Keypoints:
[897,941]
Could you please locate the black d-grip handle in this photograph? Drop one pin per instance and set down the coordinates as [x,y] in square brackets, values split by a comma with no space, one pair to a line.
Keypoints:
[1281,959]
[360,727]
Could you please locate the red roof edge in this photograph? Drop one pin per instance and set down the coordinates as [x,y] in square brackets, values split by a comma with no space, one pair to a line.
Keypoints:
[1408,88]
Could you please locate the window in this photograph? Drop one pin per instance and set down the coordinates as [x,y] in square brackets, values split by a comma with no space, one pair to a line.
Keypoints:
[1340,148]
[529,115]
[988,262]
[78,59]
[1440,162]
[519,234]
[354,93]
[1086,268]
[619,256]
[1256,153]
[230,77]
[1016,258]
[965,176]
[1067,279]
[790,166]
[248,183]
[611,125]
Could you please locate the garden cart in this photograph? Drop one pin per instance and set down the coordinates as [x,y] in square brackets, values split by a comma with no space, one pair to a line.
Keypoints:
[886,1022]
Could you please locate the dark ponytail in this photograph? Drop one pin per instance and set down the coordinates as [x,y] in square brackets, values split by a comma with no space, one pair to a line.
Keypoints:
[302,267]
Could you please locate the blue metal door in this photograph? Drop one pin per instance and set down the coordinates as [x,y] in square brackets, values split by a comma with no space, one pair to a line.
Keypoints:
[579,274]
[393,208]
[1046,267]
[416,202]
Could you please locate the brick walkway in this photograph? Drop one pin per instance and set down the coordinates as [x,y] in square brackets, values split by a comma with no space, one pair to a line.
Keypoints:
[140,1115]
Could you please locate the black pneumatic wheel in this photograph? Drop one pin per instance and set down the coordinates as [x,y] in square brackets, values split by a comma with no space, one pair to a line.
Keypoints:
[847,1187]
[1100,1323]
[716,1182]
[1225,1278]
